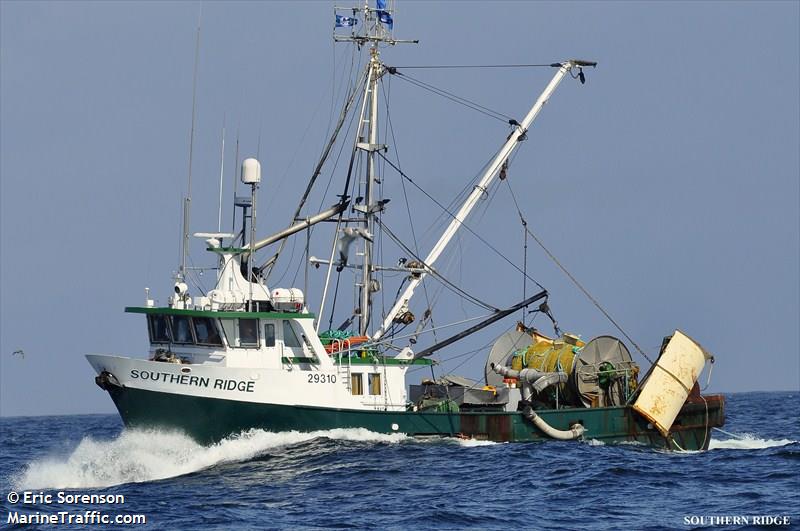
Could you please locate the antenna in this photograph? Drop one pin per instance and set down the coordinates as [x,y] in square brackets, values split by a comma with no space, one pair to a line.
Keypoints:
[235,165]
[375,25]
[188,199]
[258,148]
[251,174]
[221,174]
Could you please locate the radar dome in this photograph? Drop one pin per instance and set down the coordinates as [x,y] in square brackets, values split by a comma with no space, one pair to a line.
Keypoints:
[251,171]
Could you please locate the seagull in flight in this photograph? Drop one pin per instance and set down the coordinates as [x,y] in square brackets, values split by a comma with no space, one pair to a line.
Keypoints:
[19,352]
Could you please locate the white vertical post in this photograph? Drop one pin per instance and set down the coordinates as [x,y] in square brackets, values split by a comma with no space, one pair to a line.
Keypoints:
[366,276]
[221,174]
[370,73]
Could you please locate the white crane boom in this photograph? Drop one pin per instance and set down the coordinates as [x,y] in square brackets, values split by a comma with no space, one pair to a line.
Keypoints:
[491,172]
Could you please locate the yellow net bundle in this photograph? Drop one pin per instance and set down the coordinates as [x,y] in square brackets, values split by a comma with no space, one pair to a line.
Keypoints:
[552,355]
[547,355]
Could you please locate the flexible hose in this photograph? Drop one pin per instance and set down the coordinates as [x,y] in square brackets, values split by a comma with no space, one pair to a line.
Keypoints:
[575,432]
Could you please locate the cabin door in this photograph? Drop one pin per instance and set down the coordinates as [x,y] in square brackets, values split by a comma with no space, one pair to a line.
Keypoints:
[292,345]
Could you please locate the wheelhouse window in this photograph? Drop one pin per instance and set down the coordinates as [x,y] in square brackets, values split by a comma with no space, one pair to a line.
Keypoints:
[357,383]
[205,330]
[269,335]
[182,329]
[229,330]
[158,325]
[248,332]
[375,383]
[290,338]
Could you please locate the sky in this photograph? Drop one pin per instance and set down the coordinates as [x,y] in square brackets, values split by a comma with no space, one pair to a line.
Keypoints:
[668,184]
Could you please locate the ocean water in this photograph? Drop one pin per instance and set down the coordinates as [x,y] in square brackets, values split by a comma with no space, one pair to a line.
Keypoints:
[363,480]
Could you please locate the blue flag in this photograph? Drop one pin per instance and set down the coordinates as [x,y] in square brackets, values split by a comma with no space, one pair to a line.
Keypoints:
[343,21]
[386,19]
[380,4]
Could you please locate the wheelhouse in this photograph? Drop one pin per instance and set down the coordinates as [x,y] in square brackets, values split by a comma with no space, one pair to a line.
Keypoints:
[196,331]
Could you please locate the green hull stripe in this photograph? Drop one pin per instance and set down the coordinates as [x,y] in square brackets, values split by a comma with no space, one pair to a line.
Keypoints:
[211,419]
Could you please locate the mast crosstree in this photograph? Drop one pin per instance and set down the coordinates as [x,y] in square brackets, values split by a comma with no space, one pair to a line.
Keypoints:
[376,29]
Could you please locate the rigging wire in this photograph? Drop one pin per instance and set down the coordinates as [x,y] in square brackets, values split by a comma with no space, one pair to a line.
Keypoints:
[448,325]
[575,280]
[454,98]
[459,198]
[524,223]
[470,354]
[435,273]
[408,209]
[341,215]
[351,187]
[463,224]
[350,100]
[417,67]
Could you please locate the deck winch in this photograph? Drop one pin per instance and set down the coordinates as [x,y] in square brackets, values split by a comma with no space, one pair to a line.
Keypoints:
[563,371]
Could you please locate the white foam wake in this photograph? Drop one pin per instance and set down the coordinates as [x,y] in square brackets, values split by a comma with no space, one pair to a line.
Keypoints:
[469,443]
[747,441]
[148,455]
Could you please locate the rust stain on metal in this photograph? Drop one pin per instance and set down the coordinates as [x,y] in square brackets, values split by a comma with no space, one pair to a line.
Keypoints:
[499,427]
[470,424]
[495,428]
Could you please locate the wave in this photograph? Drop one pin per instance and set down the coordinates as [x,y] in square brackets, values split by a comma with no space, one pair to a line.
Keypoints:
[469,443]
[137,456]
[747,441]
[594,442]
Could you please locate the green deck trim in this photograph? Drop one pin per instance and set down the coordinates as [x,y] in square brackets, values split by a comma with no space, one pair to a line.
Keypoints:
[218,314]
[359,361]
[299,360]
[379,360]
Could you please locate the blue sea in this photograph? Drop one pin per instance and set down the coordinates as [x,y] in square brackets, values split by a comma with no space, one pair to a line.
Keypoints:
[363,480]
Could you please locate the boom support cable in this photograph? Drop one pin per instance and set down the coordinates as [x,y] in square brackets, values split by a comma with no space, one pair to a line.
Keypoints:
[572,277]
[463,223]
[453,97]
[318,169]
[408,210]
[417,67]
[606,314]
[435,273]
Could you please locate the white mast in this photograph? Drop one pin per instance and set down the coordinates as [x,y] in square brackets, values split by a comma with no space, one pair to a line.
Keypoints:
[375,29]
[369,208]
[481,188]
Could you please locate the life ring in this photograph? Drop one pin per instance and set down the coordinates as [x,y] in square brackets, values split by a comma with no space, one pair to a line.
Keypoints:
[344,344]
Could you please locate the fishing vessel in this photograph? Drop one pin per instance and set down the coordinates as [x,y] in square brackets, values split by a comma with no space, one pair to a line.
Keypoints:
[248,355]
